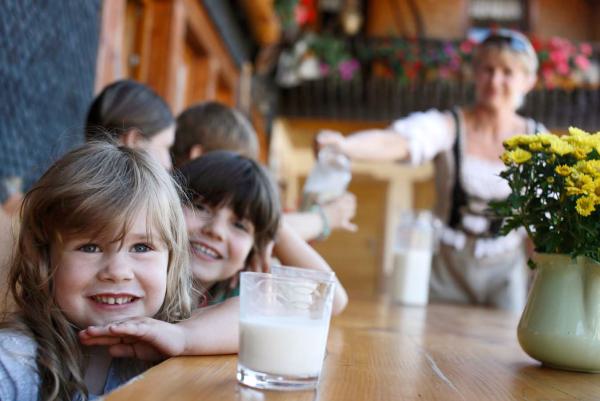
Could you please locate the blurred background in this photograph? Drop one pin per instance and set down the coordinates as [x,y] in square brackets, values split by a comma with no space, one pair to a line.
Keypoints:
[292,67]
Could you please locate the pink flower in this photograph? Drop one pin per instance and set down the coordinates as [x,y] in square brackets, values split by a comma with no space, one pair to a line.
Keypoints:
[324,68]
[347,68]
[562,68]
[467,46]
[558,56]
[586,49]
[582,62]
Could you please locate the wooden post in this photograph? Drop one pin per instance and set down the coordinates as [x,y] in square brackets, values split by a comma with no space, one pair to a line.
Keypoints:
[110,59]
[164,31]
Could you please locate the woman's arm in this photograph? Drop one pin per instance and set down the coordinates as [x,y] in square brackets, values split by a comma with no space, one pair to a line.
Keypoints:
[291,250]
[371,145]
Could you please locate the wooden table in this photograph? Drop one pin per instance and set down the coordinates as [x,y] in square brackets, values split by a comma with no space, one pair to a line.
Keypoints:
[381,351]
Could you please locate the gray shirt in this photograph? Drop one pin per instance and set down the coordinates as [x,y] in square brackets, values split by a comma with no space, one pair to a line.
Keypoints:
[19,379]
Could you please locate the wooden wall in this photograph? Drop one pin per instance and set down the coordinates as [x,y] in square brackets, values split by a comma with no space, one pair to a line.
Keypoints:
[448,19]
[445,19]
[572,19]
[174,47]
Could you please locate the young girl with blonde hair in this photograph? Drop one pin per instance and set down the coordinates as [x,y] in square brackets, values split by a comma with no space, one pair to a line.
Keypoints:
[102,239]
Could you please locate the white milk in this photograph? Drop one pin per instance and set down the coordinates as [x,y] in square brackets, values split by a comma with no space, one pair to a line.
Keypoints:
[283,346]
[410,281]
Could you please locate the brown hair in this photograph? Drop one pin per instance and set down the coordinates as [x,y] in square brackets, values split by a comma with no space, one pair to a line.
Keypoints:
[214,126]
[125,105]
[95,190]
[223,178]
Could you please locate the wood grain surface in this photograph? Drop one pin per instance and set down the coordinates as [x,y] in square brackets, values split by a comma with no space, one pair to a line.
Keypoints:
[381,351]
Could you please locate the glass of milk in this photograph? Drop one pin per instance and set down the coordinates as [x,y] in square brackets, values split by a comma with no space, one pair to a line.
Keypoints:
[290,271]
[414,246]
[284,322]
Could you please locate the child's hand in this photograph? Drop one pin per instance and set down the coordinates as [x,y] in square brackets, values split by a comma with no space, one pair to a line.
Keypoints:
[143,338]
[262,262]
[340,212]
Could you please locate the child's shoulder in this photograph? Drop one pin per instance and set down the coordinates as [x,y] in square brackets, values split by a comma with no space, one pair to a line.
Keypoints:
[18,371]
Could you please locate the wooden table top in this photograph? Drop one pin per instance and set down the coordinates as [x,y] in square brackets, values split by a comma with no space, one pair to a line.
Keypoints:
[381,351]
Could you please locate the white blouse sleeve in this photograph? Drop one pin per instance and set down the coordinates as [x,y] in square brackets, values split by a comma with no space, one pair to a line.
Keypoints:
[428,133]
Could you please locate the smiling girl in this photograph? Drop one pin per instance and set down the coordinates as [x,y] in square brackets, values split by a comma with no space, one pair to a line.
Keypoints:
[102,239]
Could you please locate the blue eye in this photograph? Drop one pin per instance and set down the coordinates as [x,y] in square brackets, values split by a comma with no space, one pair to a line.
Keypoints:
[243,225]
[141,248]
[90,248]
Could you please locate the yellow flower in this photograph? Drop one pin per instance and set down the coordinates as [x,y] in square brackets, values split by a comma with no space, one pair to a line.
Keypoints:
[520,156]
[506,159]
[577,132]
[536,146]
[550,180]
[563,170]
[591,167]
[581,153]
[560,147]
[517,140]
[586,205]
[571,190]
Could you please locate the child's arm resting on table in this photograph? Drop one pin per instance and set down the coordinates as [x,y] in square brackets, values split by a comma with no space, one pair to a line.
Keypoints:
[292,250]
[210,331]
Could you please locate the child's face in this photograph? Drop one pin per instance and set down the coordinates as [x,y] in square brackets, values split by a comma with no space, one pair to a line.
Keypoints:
[159,146]
[97,283]
[220,242]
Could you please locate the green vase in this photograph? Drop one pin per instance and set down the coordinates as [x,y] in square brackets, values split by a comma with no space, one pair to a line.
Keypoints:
[560,326]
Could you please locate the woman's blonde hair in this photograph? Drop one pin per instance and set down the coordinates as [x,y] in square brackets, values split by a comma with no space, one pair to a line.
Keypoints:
[96,191]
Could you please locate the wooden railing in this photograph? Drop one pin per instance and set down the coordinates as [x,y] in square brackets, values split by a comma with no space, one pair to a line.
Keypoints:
[384,100]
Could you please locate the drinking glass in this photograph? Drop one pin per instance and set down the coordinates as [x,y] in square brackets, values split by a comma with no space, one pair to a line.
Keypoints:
[284,322]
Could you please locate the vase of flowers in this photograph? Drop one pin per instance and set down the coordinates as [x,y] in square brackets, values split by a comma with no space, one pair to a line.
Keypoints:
[555,197]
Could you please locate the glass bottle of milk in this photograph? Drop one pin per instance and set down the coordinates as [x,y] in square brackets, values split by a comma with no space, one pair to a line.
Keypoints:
[414,246]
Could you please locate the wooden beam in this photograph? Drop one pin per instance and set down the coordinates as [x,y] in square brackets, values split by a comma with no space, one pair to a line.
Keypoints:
[164,31]
[264,22]
[203,29]
[110,58]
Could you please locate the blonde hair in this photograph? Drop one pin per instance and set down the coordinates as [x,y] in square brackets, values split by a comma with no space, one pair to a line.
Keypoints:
[95,190]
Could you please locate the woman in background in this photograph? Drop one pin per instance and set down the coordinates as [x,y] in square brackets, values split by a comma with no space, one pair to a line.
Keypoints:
[475,264]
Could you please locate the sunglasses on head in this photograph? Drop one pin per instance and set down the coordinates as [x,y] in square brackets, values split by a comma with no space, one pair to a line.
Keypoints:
[505,36]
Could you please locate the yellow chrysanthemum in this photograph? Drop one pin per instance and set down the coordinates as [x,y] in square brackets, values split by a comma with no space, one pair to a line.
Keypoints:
[520,156]
[550,180]
[563,170]
[584,179]
[581,153]
[574,131]
[571,191]
[506,159]
[591,167]
[518,140]
[586,205]
[560,147]
[536,146]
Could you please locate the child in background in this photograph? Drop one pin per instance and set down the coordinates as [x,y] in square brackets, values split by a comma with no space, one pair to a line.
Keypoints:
[102,240]
[235,217]
[135,116]
[213,126]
